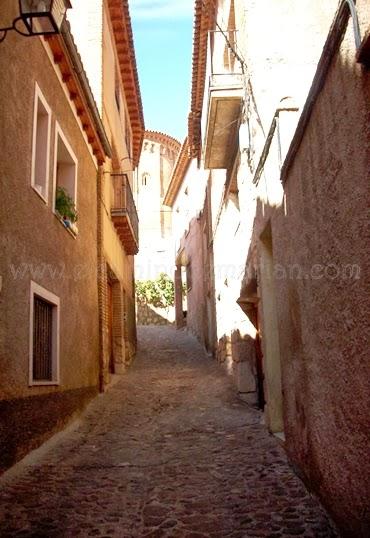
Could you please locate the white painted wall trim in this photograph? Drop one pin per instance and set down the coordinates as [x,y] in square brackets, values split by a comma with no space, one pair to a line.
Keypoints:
[68,99]
[59,134]
[39,96]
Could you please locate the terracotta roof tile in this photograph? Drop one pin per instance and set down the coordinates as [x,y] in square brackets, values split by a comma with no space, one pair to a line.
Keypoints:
[121,21]
[204,20]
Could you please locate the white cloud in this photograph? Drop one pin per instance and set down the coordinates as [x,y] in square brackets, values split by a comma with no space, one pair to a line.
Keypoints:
[164,9]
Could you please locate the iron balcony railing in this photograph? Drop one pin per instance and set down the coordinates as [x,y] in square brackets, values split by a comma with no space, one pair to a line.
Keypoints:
[124,204]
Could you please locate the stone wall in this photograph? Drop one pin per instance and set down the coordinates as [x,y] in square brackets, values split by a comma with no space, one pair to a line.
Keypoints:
[149,315]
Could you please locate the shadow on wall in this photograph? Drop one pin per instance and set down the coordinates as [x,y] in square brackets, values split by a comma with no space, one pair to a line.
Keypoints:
[237,355]
[47,413]
[309,260]
[150,315]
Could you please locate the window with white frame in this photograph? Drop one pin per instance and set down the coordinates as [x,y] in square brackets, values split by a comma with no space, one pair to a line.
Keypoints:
[65,179]
[44,336]
[41,144]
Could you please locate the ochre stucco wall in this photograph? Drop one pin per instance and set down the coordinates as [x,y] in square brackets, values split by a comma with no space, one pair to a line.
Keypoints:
[36,246]
[32,234]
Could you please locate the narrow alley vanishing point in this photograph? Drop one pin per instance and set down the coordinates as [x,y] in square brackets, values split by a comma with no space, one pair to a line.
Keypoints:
[168,451]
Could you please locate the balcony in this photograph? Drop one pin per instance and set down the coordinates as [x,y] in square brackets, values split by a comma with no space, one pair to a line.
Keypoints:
[224,107]
[124,214]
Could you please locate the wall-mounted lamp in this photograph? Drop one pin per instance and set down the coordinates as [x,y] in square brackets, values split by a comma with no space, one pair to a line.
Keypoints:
[39,17]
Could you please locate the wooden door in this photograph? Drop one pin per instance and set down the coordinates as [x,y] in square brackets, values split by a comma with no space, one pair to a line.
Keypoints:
[110,328]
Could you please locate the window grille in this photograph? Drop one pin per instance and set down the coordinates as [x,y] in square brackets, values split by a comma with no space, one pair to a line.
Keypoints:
[42,340]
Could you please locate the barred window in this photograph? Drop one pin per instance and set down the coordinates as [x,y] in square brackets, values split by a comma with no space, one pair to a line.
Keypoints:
[44,342]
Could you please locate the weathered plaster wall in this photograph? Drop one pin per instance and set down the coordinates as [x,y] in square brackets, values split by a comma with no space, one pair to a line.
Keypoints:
[115,259]
[31,235]
[192,245]
[323,299]
[86,19]
[115,115]
[189,201]
[321,331]
[36,246]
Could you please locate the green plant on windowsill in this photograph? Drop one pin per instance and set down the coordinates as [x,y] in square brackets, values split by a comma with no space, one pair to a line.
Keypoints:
[66,209]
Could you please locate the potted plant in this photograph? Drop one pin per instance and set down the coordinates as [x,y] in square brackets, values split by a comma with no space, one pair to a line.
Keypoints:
[66,209]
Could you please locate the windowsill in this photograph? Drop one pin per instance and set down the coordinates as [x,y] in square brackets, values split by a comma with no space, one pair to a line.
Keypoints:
[45,200]
[69,230]
[44,383]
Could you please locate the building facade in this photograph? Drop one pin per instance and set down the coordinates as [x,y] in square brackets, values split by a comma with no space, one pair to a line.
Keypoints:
[53,144]
[278,148]
[69,225]
[157,160]
[155,260]
[104,34]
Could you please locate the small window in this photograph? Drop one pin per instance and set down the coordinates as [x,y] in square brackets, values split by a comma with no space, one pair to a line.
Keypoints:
[65,180]
[44,337]
[41,145]
[145,179]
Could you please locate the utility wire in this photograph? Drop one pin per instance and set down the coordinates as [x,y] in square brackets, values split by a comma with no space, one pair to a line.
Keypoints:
[244,68]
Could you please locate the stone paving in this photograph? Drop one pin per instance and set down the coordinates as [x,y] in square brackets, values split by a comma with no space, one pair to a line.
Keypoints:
[168,451]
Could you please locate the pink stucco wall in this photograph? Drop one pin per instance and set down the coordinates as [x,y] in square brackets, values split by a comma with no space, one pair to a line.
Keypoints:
[192,244]
[320,252]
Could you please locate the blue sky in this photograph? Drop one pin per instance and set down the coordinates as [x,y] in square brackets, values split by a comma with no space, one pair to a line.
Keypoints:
[163,44]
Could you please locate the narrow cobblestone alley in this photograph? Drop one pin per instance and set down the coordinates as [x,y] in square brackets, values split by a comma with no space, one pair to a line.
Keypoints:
[168,451]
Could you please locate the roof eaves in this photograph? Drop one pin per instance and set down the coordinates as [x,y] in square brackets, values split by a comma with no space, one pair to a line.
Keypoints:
[204,17]
[122,30]
[162,138]
[178,173]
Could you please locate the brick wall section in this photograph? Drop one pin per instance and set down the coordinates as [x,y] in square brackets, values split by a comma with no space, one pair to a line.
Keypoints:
[102,288]
[118,327]
[130,329]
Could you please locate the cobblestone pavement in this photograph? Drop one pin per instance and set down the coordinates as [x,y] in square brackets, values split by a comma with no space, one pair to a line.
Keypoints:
[168,451]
